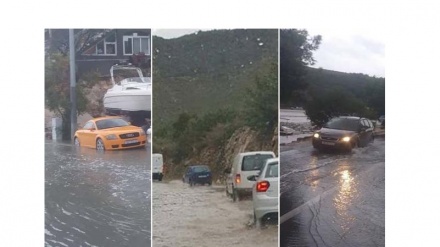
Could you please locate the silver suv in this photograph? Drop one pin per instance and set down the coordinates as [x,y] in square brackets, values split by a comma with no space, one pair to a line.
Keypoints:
[265,192]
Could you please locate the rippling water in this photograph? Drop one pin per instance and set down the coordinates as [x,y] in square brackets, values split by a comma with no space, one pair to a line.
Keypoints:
[97,199]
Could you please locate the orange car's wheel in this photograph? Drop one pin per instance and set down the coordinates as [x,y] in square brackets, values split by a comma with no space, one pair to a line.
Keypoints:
[76,142]
[100,145]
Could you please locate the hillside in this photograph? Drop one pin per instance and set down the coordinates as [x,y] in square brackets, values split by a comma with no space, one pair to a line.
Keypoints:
[208,70]
[320,82]
[215,94]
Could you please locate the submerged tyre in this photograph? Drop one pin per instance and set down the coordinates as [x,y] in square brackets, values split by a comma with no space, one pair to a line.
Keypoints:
[100,145]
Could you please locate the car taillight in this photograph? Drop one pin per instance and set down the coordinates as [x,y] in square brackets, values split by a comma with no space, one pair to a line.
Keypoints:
[237,178]
[262,186]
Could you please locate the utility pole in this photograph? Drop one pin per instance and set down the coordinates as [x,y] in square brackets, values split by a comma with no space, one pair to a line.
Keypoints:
[73,121]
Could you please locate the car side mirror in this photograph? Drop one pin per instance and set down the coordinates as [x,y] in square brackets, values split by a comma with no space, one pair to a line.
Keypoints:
[252,178]
[92,129]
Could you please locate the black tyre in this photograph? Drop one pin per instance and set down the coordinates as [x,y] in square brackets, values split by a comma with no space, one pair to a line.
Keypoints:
[100,145]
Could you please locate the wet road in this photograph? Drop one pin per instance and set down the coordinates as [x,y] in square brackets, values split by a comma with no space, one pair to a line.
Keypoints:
[333,199]
[203,216]
[97,199]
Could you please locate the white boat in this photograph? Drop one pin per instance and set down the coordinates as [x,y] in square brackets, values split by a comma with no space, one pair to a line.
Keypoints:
[131,91]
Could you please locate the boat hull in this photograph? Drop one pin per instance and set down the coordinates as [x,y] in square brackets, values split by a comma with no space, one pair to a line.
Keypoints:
[135,101]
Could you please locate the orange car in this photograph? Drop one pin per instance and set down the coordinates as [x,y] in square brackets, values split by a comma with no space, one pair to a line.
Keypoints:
[110,133]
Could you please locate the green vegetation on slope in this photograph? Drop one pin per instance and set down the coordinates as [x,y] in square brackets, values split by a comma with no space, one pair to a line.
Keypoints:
[209,85]
[332,93]
[324,93]
[208,70]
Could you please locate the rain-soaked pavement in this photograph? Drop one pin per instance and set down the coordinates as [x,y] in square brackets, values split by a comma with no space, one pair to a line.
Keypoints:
[97,199]
[332,199]
[203,216]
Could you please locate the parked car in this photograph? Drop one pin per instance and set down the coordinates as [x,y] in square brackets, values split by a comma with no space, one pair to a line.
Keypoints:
[110,133]
[344,133]
[243,166]
[286,131]
[157,167]
[265,192]
[197,174]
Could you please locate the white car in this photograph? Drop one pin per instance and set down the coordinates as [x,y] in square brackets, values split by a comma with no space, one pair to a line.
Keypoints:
[265,192]
[245,165]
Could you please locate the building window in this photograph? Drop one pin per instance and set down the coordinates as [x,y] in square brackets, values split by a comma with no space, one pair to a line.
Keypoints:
[136,44]
[107,46]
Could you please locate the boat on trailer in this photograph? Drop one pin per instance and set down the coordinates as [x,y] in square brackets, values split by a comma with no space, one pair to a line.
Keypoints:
[130,95]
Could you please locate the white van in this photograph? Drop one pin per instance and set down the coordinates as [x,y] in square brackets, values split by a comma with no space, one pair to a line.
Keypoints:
[157,167]
[243,166]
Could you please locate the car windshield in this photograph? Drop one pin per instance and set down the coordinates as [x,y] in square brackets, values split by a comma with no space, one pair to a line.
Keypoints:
[200,169]
[111,123]
[343,124]
[254,162]
[272,170]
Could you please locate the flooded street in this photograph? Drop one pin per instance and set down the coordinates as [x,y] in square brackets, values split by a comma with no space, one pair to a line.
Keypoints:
[204,216]
[96,199]
[298,118]
[331,198]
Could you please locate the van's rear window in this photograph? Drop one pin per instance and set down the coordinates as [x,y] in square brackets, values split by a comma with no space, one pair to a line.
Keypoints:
[254,162]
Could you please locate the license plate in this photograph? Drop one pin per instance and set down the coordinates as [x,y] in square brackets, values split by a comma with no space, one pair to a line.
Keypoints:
[328,143]
[130,141]
[203,176]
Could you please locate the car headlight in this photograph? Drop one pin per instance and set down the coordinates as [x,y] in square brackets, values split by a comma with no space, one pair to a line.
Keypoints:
[346,139]
[111,137]
[142,132]
[316,135]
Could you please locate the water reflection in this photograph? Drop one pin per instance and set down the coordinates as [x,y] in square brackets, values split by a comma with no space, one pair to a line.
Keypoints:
[344,199]
[314,178]
[96,198]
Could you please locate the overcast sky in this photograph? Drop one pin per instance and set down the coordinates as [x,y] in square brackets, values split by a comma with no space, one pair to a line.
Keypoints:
[354,51]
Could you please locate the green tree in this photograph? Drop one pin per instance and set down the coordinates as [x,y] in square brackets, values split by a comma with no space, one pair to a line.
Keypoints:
[57,90]
[325,106]
[296,52]
[262,101]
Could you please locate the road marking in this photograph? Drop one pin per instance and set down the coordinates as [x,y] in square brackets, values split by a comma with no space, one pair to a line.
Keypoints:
[316,199]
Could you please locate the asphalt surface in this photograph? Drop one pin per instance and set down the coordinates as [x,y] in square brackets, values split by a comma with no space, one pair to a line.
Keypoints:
[204,216]
[332,198]
[97,199]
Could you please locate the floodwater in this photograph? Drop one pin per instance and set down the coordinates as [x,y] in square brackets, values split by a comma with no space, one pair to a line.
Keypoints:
[204,216]
[97,199]
[297,116]
[293,116]
[332,198]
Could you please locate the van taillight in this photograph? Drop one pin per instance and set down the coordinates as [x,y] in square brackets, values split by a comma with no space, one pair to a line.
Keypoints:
[263,186]
[237,178]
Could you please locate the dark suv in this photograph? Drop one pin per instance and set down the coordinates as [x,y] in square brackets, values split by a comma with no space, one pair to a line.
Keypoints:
[198,174]
[344,133]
